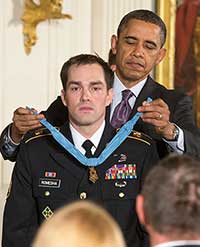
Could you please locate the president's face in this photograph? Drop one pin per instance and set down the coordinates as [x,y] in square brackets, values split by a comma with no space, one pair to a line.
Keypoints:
[138,50]
[86,95]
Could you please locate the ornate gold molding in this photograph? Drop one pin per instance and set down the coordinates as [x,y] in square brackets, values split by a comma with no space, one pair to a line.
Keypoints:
[196,43]
[36,13]
[165,70]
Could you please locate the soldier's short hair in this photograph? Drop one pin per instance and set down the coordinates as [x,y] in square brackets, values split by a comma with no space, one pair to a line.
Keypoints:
[84,59]
[172,195]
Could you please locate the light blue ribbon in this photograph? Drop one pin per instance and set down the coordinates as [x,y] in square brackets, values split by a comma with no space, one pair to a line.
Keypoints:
[110,148]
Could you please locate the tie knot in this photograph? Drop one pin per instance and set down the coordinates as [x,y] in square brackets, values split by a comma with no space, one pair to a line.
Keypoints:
[127,94]
[87,145]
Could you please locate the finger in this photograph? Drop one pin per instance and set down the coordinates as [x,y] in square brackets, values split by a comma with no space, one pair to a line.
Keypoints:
[27,117]
[21,111]
[24,130]
[158,102]
[153,108]
[155,115]
[156,105]
[21,124]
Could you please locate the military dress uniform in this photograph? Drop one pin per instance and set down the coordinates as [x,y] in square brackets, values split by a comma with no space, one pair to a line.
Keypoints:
[47,177]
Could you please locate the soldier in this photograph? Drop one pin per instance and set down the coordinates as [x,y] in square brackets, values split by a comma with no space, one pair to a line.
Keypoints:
[46,176]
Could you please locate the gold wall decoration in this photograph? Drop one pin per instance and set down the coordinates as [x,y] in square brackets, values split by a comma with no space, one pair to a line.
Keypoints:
[196,44]
[165,72]
[34,14]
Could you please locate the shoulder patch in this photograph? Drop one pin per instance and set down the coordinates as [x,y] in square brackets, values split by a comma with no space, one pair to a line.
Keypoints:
[37,133]
[140,137]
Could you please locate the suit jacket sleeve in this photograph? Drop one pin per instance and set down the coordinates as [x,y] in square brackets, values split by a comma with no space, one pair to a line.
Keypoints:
[56,114]
[8,149]
[183,116]
[20,214]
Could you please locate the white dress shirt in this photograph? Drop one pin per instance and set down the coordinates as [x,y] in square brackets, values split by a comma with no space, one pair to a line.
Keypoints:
[79,139]
[178,243]
[118,87]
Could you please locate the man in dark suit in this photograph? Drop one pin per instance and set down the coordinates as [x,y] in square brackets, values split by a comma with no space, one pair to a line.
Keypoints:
[138,47]
[171,211]
[46,176]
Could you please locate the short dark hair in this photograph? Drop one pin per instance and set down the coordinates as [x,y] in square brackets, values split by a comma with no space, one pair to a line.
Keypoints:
[147,16]
[84,59]
[172,195]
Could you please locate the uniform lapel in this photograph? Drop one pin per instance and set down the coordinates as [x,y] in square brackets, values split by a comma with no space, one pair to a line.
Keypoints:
[108,133]
[64,159]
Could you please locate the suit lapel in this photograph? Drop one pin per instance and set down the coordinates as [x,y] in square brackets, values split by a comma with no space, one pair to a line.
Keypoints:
[147,91]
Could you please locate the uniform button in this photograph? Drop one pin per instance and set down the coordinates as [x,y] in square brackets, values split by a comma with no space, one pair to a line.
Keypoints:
[121,194]
[46,193]
[83,195]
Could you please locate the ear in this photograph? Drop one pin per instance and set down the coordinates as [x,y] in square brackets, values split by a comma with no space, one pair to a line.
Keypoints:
[114,44]
[161,55]
[109,96]
[140,209]
[63,97]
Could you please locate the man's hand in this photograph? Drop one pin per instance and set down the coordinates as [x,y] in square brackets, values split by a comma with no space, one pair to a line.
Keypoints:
[23,121]
[157,113]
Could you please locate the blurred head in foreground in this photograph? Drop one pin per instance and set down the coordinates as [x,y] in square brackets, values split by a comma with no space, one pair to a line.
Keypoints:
[80,224]
[169,204]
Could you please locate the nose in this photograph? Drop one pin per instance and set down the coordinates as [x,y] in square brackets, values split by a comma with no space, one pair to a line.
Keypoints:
[138,50]
[85,94]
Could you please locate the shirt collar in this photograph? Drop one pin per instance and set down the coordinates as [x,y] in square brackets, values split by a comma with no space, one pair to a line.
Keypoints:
[118,86]
[79,139]
[179,243]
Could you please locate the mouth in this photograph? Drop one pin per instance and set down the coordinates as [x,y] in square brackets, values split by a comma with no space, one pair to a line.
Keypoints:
[135,65]
[85,109]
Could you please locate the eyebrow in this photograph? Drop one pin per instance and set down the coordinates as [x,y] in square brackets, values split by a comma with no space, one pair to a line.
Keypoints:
[79,82]
[146,41]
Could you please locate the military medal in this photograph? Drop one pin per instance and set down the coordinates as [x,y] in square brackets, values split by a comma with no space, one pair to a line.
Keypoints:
[121,135]
[93,177]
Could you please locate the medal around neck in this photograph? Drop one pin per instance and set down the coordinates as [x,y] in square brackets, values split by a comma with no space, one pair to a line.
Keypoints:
[116,141]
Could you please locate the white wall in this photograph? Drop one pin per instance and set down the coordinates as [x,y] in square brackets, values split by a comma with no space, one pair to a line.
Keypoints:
[34,80]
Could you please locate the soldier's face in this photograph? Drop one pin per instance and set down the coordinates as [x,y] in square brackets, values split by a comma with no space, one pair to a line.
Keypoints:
[86,95]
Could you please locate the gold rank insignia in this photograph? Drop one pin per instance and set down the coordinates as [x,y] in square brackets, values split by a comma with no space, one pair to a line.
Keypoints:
[93,177]
[137,134]
[47,213]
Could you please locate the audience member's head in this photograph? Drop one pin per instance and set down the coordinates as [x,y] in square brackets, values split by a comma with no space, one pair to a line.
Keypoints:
[80,224]
[169,204]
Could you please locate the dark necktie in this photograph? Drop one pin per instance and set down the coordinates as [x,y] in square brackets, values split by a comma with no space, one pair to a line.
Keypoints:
[122,110]
[87,145]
